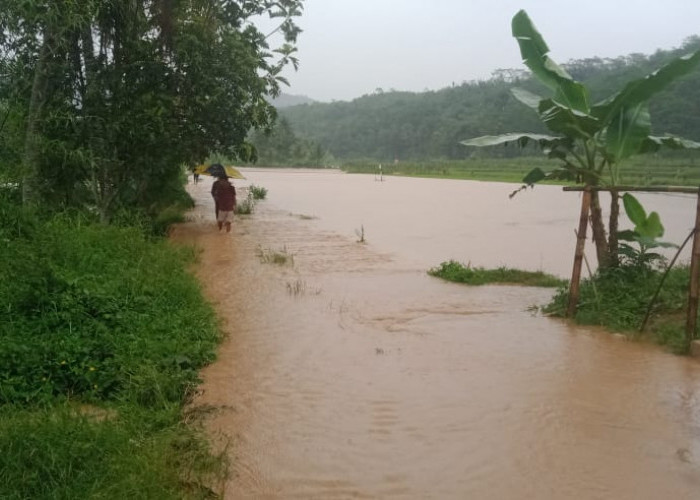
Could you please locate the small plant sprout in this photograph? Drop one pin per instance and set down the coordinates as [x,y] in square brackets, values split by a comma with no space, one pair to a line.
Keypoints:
[646,233]
[360,234]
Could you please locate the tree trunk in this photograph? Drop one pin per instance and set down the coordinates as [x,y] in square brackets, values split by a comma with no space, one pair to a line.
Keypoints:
[598,228]
[613,226]
[30,156]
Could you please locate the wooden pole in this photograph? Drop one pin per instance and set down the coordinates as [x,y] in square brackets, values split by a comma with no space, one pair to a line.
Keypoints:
[641,189]
[691,321]
[578,256]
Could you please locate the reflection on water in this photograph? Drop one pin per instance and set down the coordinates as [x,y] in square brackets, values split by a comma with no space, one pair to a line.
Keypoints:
[350,373]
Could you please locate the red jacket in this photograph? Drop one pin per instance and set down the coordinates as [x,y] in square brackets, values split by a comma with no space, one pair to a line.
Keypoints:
[224,195]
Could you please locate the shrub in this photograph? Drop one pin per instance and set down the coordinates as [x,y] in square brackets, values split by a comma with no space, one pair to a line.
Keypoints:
[618,299]
[258,192]
[89,310]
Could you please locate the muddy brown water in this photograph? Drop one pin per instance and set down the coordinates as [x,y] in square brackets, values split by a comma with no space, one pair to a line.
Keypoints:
[349,373]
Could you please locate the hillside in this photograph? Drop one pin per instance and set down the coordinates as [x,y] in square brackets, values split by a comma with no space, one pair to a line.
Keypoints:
[288,100]
[429,125]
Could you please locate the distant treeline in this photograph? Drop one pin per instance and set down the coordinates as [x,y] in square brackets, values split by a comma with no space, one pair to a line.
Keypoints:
[406,126]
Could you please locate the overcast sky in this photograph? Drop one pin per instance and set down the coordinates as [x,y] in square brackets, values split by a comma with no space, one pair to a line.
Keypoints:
[352,47]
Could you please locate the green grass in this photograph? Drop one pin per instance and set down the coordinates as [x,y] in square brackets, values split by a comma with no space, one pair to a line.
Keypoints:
[104,318]
[617,299]
[459,273]
[644,170]
[55,452]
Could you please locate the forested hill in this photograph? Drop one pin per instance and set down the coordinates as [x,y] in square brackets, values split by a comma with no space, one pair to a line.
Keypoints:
[417,126]
[287,100]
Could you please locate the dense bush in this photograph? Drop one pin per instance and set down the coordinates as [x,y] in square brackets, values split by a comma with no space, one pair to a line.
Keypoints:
[97,312]
[101,335]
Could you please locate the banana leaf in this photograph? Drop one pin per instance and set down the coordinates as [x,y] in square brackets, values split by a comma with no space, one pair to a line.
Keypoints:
[641,90]
[534,50]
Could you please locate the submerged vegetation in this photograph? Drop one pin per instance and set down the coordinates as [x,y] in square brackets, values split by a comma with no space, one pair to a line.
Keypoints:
[246,205]
[279,257]
[460,273]
[619,299]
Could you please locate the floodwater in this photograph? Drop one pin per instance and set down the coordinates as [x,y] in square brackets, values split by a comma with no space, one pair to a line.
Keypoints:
[347,372]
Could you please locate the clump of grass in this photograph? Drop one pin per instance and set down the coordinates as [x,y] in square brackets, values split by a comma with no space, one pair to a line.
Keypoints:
[296,288]
[360,234]
[279,257]
[258,192]
[460,273]
[246,206]
[618,299]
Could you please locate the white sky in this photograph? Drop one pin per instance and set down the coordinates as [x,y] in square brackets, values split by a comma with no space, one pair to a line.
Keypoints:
[352,47]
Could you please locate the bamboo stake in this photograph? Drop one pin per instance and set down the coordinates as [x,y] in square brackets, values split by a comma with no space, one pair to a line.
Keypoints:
[641,189]
[578,256]
[663,278]
[691,321]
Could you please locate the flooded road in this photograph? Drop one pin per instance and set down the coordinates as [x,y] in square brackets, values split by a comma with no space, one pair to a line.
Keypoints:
[349,373]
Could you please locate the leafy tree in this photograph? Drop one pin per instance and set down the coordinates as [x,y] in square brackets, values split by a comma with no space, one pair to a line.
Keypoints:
[593,139]
[110,98]
[281,146]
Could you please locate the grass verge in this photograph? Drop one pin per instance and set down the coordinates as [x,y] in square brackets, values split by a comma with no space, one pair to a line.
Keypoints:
[642,170]
[459,273]
[102,336]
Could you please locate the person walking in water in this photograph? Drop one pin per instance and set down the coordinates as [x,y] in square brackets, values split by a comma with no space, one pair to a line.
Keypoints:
[224,194]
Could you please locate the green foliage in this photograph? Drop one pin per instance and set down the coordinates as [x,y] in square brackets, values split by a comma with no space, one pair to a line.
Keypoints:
[458,272]
[428,126]
[72,451]
[280,146]
[618,298]
[101,339]
[646,232]
[100,313]
[116,96]
[590,140]
[258,192]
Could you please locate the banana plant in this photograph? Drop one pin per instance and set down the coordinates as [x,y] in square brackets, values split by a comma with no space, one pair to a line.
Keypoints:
[646,233]
[589,140]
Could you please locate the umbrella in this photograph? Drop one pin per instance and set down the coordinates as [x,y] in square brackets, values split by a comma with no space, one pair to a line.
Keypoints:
[218,170]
